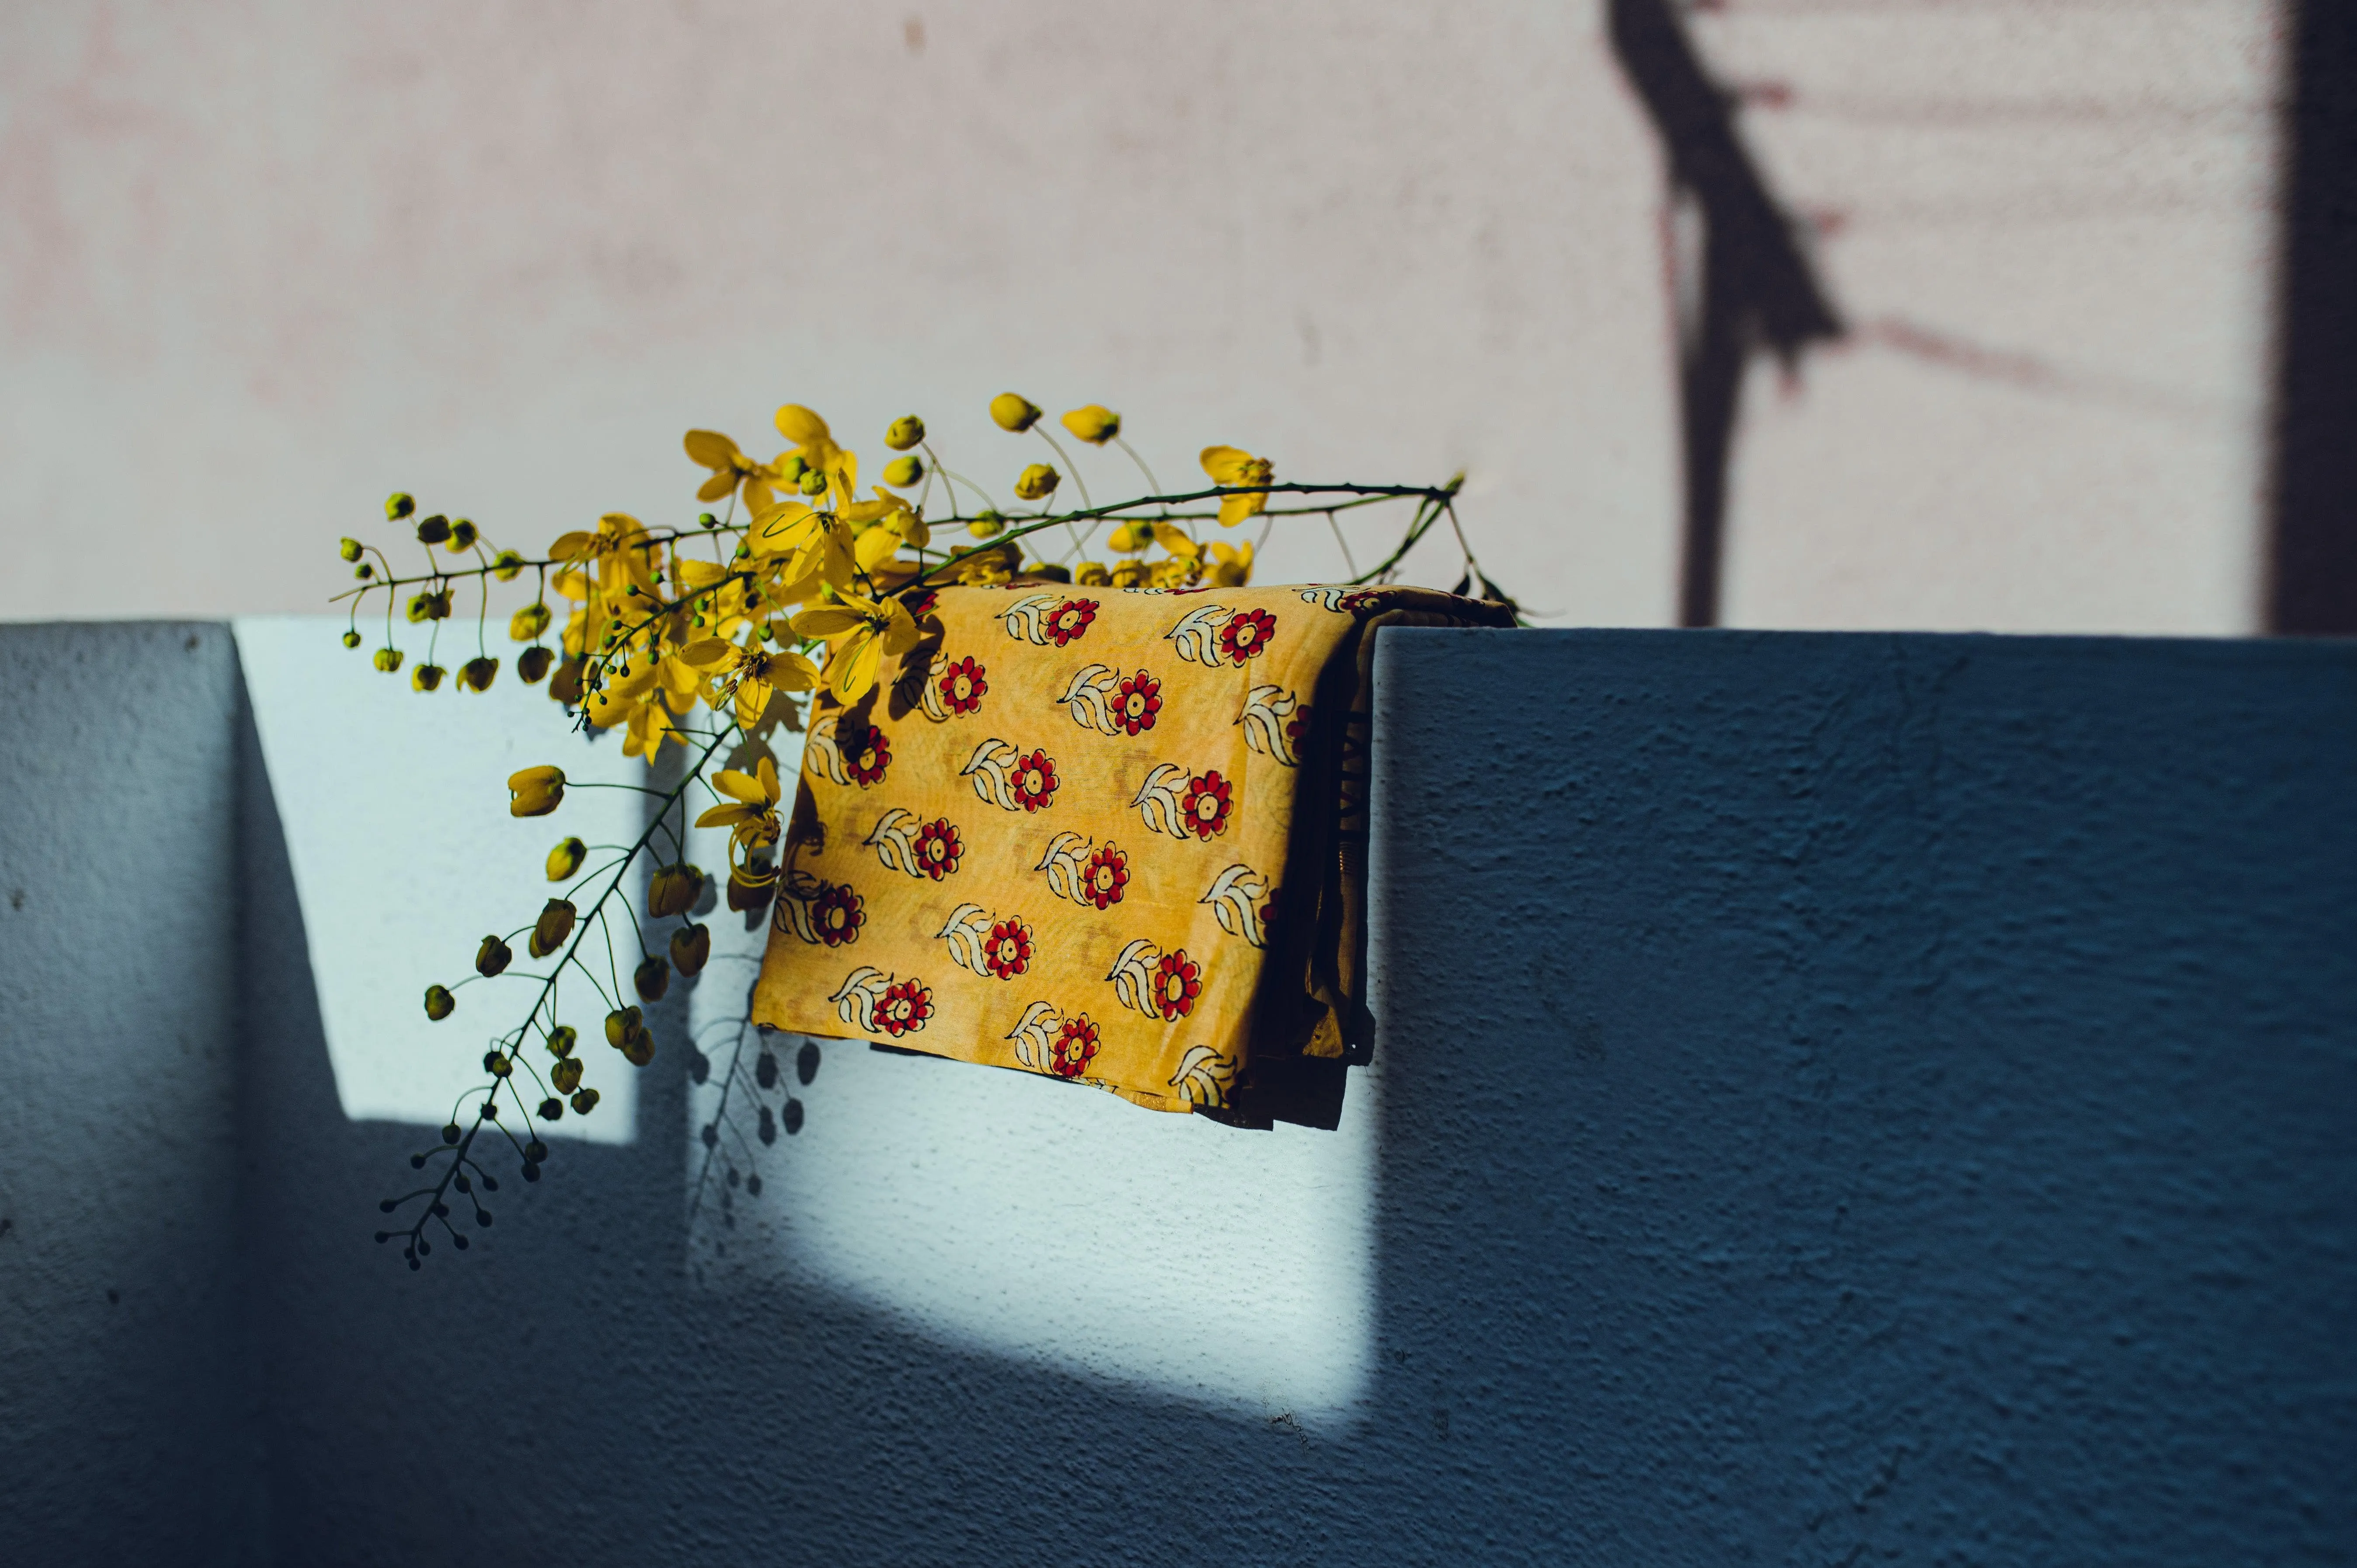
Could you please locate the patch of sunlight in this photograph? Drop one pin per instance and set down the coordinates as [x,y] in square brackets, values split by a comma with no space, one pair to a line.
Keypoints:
[394,808]
[1011,1214]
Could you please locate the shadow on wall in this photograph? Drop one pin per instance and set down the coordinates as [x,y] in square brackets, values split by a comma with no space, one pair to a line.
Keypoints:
[2312,569]
[1894,1105]
[1745,287]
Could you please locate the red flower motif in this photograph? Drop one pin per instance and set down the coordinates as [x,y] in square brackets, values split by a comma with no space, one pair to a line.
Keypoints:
[866,758]
[1210,800]
[836,913]
[1107,875]
[921,604]
[1009,950]
[1176,985]
[938,848]
[1296,725]
[1035,780]
[962,687]
[1076,1047]
[905,1007]
[1247,635]
[1139,701]
[1071,619]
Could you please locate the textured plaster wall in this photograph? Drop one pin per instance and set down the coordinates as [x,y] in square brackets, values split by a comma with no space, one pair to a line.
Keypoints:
[1839,1098]
[125,1399]
[263,261]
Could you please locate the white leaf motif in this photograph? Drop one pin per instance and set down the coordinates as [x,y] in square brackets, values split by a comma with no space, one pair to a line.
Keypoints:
[1133,976]
[895,841]
[794,915]
[968,928]
[1326,597]
[1066,864]
[1195,636]
[1160,799]
[919,687]
[1025,618]
[856,1002]
[821,745]
[1236,898]
[1266,710]
[1203,1076]
[1035,1045]
[1085,698]
[988,768]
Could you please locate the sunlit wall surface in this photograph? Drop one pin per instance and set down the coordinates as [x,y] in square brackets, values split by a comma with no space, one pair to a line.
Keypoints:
[259,266]
[991,1212]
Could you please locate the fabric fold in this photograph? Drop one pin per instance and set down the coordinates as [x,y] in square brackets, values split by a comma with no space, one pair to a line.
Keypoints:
[1112,836]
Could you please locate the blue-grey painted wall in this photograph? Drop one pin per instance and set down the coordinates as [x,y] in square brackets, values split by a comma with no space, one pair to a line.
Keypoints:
[1843,1099]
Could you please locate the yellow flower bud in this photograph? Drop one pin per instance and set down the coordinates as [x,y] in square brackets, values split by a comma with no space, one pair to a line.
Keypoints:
[506,565]
[1129,575]
[388,660]
[673,891]
[620,1024]
[1132,536]
[565,1076]
[1014,413]
[565,859]
[351,549]
[425,677]
[351,640]
[584,1102]
[640,1048]
[555,924]
[1038,482]
[462,536]
[364,571]
[536,792]
[492,957]
[532,663]
[986,524]
[438,606]
[906,432]
[551,1110]
[433,530]
[528,622]
[439,1003]
[690,947]
[904,471]
[561,1041]
[812,483]
[477,674]
[1092,575]
[420,606]
[496,1063]
[791,467]
[398,505]
[564,686]
[1095,424]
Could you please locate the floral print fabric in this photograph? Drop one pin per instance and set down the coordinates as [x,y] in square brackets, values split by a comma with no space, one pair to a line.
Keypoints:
[1064,835]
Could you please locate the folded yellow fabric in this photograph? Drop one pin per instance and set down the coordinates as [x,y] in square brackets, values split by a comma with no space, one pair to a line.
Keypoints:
[1109,835]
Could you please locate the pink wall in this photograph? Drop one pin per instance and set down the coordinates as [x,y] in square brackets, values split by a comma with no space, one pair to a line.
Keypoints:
[259,264]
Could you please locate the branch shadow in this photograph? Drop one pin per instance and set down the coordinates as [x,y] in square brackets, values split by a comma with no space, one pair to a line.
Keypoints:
[1756,291]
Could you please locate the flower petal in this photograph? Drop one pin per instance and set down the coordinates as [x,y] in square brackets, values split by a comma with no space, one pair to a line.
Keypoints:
[711,448]
[801,426]
[1224,463]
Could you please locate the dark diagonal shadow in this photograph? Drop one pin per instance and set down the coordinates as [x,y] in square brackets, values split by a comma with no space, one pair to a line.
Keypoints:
[1756,290]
